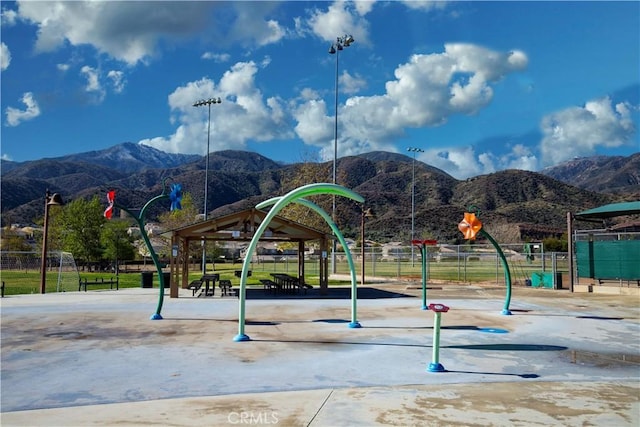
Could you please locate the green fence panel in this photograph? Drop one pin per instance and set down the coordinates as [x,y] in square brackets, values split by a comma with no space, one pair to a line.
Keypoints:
[617,259]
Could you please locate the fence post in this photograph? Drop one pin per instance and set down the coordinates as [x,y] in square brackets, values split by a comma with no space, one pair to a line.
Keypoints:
[458,258]
[373,261]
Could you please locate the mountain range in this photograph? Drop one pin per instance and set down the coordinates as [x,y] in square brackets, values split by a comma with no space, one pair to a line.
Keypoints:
[529,204]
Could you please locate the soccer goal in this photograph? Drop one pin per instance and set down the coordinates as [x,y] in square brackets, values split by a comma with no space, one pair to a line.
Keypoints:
[68,275]
[30,263]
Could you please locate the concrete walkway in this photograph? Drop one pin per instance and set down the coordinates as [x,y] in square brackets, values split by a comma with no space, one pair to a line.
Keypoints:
[95,358]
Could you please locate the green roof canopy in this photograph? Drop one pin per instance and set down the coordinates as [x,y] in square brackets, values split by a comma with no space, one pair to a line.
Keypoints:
[611,210]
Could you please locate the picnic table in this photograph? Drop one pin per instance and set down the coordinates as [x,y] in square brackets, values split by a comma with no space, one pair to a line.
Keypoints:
[289,284]
[210,284]
[225,288]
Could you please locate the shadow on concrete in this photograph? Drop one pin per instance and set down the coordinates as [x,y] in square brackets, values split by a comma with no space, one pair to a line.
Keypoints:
[495,373]
[331,320]
[599,318]
[509,347]
[332,293]
[339,342]
[462,327]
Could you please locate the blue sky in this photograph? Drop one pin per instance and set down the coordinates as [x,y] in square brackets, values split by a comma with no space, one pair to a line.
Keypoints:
[479,86]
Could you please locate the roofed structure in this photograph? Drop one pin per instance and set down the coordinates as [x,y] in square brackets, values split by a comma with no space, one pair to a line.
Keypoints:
[241,227]
[611,210]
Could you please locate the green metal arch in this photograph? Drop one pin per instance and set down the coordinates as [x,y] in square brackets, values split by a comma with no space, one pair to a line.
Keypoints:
[298,193]
[354,290]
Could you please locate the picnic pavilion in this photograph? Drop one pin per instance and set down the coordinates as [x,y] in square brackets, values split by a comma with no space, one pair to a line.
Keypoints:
[240,227]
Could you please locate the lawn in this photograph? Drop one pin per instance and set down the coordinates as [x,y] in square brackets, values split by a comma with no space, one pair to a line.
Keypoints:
[466,270]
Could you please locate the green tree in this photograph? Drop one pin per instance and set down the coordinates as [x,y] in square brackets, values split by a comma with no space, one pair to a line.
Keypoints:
[117,243]
[79,226]
[171,220]
[553,244]
[12,241]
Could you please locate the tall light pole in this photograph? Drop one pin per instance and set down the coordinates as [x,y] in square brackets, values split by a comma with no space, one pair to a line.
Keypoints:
[340,44]
[50,200]
[208,103]
[414,150]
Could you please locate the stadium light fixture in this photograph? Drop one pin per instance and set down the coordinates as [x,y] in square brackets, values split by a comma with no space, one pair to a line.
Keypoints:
[334,49]
[208,103]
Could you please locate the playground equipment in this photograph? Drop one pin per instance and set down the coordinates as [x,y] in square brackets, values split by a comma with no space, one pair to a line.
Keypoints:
[470,226]
[176,199]
[435,365]
[296,195]
[422,245]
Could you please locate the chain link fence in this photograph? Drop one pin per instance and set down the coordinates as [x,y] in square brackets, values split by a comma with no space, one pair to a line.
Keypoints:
[528,264]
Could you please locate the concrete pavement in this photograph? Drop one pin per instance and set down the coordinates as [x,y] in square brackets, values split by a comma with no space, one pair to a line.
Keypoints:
[95,358]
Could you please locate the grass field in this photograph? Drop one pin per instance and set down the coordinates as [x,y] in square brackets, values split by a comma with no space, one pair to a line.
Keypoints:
[463,270]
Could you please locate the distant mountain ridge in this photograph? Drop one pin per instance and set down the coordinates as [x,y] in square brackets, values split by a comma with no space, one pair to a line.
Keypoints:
[239,179]
[127,157]
[600,173]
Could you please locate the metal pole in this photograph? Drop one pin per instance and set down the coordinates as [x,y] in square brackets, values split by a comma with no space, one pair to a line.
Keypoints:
[335,161]
[206,192]
[341,42]
[43,262]
[570,241]
[435,365]
[423,251]
[435,355]
[208,103]
[414,150]
[49,200]
[413,205]
[362,243]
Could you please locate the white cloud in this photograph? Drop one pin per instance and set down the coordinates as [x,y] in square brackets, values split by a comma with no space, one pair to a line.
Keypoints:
[243,115]
[9,17]
[117,79]
[459,162]
[340,18]
[16,116]
[364,7]
[6,156]
[249,24]
[131,31]
[351,84]
[579,131]
[126,31]
[464,162]
[313,127]
[427,90]
[63,67]
[425,4]
[93,85]
[5,57]
[217,57]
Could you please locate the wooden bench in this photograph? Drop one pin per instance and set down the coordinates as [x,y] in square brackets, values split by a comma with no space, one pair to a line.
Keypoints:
[195,286]
[98,282]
